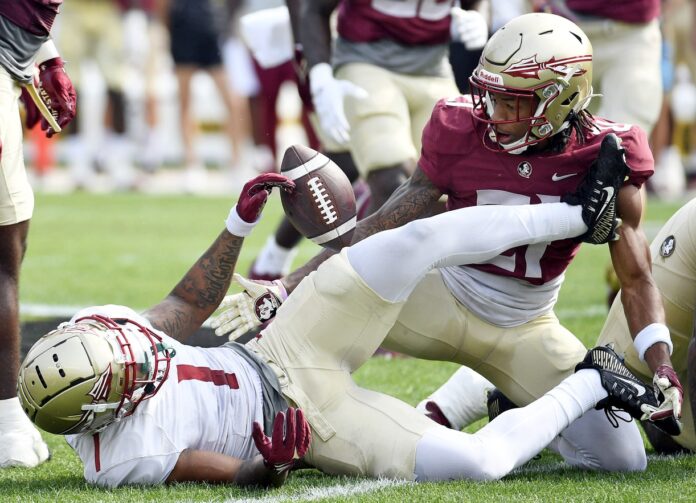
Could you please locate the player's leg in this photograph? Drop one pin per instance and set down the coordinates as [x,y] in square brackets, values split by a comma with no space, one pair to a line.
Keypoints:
[20,442]
[381,119]
[394,261]
[512,438]
[238,118]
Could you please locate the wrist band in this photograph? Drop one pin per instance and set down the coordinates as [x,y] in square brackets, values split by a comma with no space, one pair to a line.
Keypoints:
[238,227]
[650,335]
[46,51]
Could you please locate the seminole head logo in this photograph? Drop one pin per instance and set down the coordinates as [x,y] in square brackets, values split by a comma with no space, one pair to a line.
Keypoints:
[101,389]
[529,68]
[265,306]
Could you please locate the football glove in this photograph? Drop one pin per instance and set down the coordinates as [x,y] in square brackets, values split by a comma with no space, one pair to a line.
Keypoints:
[255,193]
[670,393]
[291,434]
[468,27]
[57,90]
[241,312]
[328,95]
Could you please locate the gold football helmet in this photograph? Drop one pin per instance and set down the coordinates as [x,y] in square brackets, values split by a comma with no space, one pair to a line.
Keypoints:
[544,61]
[87,374]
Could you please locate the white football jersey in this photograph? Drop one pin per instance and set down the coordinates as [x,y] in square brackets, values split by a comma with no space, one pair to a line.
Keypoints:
[208,402]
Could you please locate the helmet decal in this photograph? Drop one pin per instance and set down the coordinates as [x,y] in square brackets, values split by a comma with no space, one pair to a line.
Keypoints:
[529,68]
[102,388]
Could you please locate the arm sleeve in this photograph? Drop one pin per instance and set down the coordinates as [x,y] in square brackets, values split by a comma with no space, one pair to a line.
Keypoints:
[638,156]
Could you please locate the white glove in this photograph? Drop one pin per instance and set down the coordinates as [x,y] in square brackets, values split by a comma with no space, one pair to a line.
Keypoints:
[241,312]
[328,94]
[666,382]
[468,27]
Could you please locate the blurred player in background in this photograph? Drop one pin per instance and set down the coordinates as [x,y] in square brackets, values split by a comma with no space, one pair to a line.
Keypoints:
[378,84]
[196,30]
[91,31]
[24,43]
[524,135]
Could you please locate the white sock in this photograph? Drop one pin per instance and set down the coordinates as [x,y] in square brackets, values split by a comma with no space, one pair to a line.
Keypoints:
[462,399]
[274,259]
[510,440]
[11,411]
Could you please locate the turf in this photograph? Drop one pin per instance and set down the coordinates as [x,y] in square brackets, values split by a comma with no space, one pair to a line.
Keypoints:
[132,249]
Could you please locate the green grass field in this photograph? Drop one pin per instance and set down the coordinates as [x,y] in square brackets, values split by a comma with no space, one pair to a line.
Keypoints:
[132,249]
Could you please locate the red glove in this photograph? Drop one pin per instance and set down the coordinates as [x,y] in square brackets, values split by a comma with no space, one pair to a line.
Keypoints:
[255,193]
[278,453]
[33,116]
[59,93]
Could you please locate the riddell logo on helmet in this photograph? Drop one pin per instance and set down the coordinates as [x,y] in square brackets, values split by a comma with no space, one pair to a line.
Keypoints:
[493,78]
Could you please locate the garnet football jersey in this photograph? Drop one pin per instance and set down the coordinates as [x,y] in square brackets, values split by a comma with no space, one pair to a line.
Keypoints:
[458,164]
[409,22]
[209,402]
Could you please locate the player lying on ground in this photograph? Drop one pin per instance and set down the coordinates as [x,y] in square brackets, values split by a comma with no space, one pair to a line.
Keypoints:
[140,407]
[524,136]
[461,400]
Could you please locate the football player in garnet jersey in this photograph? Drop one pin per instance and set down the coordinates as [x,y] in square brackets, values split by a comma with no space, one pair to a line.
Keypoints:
[140,407]
[524,137]
[24,43]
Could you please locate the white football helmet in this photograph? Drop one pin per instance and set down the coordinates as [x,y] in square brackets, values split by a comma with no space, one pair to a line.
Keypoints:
[544,61]
[87,374]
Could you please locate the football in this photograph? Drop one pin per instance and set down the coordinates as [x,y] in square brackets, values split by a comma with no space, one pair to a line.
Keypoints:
[322,206]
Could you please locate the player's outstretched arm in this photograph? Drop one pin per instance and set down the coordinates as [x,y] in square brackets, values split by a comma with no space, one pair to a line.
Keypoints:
[202,288]
[643,303]
[416,198]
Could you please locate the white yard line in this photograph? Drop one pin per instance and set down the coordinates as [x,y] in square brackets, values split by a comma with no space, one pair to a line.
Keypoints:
[335,491]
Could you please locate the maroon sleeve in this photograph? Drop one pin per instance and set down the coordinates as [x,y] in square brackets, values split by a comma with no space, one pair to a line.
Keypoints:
[638,155]
[34,16]
[433,160]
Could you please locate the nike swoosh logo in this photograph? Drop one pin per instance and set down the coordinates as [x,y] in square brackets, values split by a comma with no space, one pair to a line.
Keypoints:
[610,193]
[641,390]
[556,177]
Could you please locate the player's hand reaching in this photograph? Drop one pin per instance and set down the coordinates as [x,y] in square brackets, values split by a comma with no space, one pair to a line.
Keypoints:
[56,89]
[255,193]
[468,27]
[328,94]
[291,434]
[248,310]
[671,395]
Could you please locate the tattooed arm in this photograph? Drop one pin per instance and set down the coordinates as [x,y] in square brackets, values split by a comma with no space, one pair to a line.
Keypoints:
[416,198]
[202,288]
[200,291]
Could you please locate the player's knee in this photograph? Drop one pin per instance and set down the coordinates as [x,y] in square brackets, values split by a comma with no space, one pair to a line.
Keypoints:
[627,458]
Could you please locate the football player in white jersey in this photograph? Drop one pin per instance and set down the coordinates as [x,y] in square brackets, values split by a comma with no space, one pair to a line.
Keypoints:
[138,406]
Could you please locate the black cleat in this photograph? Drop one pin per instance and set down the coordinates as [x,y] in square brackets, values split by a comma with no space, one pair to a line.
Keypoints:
[626,391]
[497,403]
[598,191]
